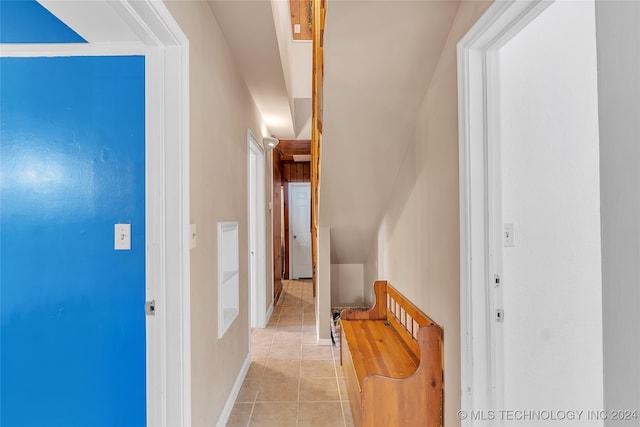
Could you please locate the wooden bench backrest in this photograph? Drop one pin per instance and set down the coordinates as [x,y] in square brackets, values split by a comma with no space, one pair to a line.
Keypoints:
[379,309]
[392,306]
[406,318]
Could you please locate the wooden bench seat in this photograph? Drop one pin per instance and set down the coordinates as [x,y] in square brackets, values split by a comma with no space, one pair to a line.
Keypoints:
[378,350]
[391,357]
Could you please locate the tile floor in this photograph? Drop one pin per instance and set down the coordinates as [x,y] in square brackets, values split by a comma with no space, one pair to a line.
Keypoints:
[292,381]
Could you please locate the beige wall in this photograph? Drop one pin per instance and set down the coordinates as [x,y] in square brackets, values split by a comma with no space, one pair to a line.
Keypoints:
[323,277]
[221,111]
[417,248]
[347,285]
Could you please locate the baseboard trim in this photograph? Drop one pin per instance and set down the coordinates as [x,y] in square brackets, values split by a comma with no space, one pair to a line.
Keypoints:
[268,316]
[231,400]
[325,341]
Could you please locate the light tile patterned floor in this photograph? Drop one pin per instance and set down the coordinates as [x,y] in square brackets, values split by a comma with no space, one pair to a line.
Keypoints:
[292,381]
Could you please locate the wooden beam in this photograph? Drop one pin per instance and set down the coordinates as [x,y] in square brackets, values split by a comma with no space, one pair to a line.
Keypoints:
[301,11]
[318,21]
[290,148]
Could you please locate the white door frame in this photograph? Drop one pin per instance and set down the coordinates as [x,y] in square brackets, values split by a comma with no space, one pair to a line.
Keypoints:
[293,185]
[257,236]
[156,35]
[481,364]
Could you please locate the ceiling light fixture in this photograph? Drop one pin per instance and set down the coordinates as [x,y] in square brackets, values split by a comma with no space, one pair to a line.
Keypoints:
[270,143]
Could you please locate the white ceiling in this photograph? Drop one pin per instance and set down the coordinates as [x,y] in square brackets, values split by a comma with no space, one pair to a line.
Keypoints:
[275,69]
[95,21]
[250,31]
[379,60]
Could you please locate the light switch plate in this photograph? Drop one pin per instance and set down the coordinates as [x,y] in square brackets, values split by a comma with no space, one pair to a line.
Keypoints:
[122,237]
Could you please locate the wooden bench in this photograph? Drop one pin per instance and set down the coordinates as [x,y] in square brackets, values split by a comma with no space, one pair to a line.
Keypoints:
[391,357]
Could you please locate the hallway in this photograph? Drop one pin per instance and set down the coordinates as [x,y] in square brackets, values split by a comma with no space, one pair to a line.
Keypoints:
[292,381]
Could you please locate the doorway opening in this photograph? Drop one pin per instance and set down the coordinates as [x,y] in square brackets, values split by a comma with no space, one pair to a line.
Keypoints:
[530,221]
[291,165]
[157,37]
[257,217]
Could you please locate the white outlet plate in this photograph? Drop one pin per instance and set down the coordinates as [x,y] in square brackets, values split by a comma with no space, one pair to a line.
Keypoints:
[122,237]
[296,28]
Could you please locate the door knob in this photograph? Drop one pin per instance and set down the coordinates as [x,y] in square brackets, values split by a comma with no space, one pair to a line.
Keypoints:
[295,237]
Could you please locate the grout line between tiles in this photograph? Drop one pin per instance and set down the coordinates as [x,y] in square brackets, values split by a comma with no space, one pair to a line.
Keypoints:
[299,383]
[253,406]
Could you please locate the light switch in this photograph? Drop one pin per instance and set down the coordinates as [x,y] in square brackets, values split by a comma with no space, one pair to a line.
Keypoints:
[296,28]
[192,239]
[122,237]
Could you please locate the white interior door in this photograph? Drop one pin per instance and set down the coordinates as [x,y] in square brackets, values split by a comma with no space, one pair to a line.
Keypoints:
[300,230]
[546,221]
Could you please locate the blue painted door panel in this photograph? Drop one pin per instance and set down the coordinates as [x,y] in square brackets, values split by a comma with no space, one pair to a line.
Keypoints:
[72,343]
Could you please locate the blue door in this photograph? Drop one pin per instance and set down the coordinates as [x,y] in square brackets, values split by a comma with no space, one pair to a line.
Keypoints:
[72,164]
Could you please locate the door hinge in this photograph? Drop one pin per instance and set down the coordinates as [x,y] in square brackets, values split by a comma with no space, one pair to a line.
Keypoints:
[150,308]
